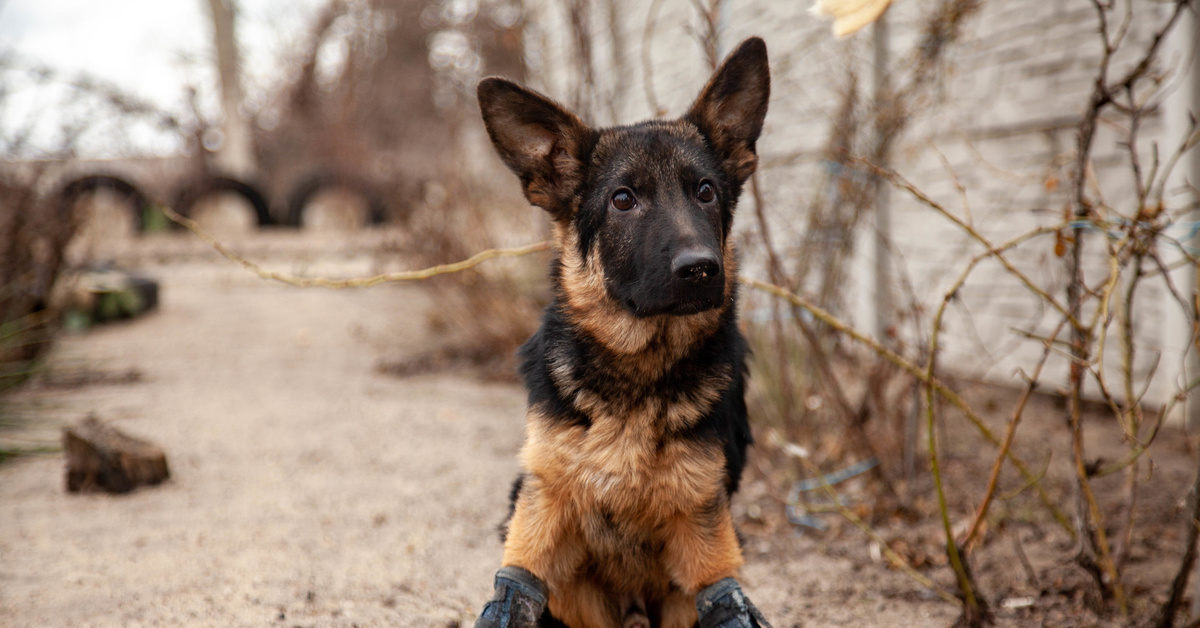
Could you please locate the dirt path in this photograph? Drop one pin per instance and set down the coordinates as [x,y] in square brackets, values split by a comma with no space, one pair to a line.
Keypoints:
[307,489]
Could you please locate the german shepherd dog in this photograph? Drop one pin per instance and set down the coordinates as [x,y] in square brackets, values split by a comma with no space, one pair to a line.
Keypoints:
[637,431]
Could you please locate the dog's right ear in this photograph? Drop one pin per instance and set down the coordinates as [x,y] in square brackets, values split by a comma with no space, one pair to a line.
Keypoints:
[544,144]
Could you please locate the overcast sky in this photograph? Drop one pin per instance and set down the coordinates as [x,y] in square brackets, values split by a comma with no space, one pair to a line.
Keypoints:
[152,49]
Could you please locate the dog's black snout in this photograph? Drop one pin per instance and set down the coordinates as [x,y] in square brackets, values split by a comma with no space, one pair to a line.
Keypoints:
[696,265]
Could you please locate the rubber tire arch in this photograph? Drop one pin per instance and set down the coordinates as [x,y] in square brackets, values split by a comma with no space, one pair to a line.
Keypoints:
[196,189]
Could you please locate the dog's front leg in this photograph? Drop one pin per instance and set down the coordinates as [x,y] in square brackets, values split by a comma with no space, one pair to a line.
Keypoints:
[538,552]
[701,550]
[703,555]
[543,533]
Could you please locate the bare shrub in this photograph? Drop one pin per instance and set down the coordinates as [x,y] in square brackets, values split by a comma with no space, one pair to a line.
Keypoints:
[33,235]
[1109,250]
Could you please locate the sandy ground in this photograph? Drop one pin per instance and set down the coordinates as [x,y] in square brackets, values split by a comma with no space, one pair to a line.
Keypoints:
[307,489]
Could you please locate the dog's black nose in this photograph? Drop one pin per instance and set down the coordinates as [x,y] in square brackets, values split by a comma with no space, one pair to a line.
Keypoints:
[696,265]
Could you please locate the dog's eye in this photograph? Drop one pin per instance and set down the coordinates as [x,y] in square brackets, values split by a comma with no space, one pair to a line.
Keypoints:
[623,200]
[705,193]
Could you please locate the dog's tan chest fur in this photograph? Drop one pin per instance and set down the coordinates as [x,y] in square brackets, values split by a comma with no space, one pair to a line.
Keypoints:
[622,466]
[621,495]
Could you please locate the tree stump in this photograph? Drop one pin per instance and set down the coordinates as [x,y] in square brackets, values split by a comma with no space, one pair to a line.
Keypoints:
[102,458]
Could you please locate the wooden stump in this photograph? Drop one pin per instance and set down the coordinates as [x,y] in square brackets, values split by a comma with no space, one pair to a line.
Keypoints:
[102,458]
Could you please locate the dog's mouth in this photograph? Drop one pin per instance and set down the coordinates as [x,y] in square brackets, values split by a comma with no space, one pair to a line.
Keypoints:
[678,305]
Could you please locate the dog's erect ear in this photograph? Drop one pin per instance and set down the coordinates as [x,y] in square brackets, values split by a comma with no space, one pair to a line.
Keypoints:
[731,108]
[540,141]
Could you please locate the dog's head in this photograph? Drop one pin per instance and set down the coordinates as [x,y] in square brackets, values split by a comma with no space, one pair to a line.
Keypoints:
[645,210]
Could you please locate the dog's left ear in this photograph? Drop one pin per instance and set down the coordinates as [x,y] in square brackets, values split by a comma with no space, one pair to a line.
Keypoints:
[729,110]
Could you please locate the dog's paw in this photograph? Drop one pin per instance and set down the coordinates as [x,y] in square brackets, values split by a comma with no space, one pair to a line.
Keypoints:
[518,602]
[724,605]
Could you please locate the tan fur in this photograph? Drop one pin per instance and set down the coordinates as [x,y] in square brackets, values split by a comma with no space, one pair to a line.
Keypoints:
[600,497]
[678,610]
[702,553]
[581,602]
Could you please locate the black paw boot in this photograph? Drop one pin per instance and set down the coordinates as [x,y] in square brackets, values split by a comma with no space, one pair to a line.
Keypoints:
[518,602]
[723,605]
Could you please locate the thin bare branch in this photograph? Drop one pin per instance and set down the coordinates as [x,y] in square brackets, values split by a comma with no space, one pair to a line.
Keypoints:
[359,282]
